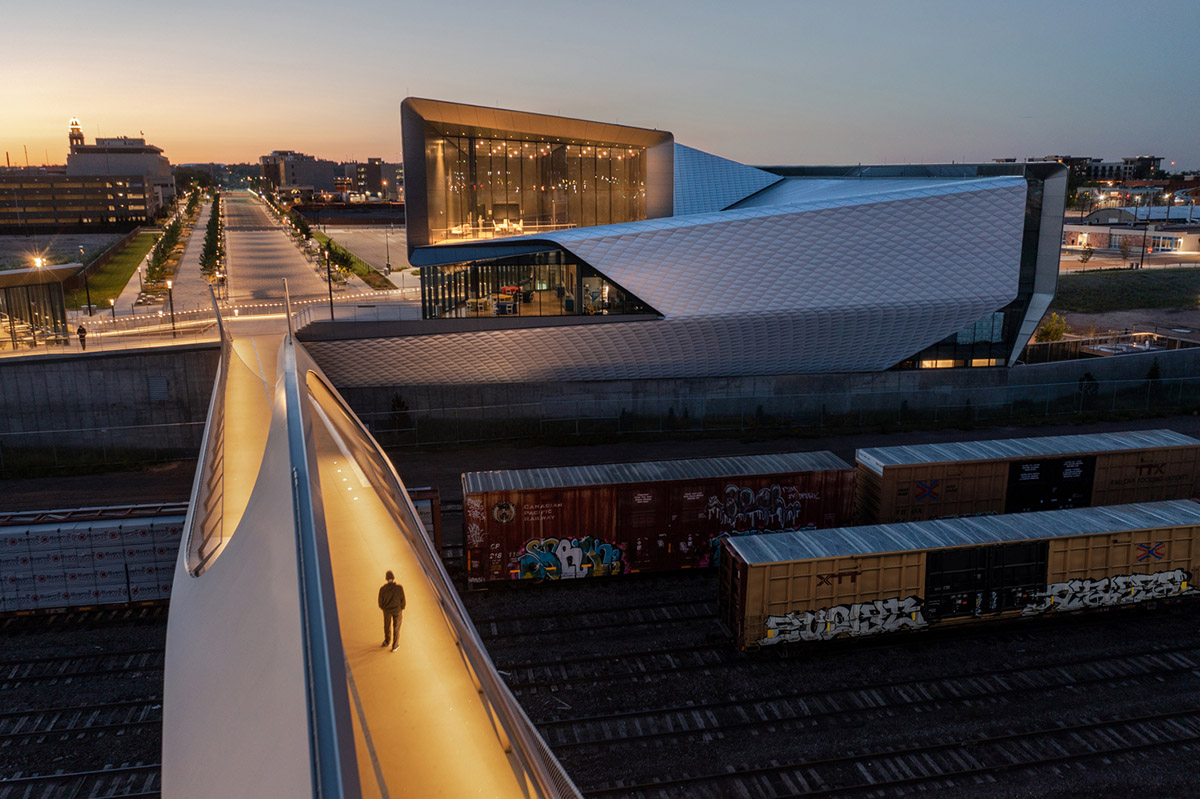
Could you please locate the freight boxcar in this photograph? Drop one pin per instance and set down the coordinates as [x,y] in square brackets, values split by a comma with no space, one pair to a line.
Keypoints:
[616,518]
[861,581]
[972,478]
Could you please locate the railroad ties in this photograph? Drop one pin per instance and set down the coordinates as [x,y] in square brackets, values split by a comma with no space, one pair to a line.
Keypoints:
[636,690]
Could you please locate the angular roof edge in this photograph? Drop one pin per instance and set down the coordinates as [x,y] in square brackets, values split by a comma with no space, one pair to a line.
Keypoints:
[526,122]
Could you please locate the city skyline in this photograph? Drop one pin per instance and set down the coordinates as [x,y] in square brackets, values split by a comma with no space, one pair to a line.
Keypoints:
[869,82]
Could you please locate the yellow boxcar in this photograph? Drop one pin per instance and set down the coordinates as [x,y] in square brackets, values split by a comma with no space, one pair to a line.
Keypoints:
[858,581]
[972,478]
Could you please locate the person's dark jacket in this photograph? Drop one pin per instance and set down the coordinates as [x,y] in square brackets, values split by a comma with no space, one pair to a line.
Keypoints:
[391,598]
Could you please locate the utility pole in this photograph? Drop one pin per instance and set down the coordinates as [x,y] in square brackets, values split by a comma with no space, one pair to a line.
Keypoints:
[329,280]
[86,288]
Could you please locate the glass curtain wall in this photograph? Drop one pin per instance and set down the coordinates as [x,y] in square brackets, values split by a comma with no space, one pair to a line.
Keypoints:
[546,284]
[32,316]
[481,188]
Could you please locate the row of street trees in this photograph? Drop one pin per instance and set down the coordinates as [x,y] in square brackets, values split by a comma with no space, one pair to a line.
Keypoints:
[214,248]
[156,270]
[301,223]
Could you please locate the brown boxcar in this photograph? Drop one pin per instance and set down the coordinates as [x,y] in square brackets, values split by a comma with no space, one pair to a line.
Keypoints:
[972,478]
[610,519]
[860,581]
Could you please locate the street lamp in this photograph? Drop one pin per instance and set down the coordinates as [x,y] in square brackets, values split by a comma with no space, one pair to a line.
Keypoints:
[329,280]
[171,300]
[38,262]
[112,305]
[86,288]
[387,268]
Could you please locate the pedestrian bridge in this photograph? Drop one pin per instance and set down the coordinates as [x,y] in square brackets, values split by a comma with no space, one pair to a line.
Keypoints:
[276,683]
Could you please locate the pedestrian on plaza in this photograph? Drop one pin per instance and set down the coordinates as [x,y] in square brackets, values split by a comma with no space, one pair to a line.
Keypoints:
[391,602]
[82,333]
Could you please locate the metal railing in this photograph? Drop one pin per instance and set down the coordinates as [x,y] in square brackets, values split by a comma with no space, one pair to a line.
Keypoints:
[528,755]
[205,536]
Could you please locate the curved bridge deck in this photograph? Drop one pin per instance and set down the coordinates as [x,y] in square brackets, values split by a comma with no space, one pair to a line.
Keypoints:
[276,683]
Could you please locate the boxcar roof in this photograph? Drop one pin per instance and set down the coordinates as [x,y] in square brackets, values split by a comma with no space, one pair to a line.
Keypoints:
[651,471]
[975,530]
[875,458]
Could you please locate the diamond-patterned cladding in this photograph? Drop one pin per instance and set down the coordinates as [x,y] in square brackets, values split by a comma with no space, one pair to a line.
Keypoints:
[705,182]
[842,281]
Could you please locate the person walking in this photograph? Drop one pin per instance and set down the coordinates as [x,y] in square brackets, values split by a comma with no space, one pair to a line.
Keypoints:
[82,333]
[391,602]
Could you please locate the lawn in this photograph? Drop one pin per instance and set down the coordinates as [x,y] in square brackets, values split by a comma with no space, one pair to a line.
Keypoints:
[111,279]
[1120,290]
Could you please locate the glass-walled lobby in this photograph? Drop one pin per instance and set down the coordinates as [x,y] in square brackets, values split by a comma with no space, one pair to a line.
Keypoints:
[32,316]
[543,284]
[483,188]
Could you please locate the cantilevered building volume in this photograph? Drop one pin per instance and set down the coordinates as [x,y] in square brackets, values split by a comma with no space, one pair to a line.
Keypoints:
[589,251]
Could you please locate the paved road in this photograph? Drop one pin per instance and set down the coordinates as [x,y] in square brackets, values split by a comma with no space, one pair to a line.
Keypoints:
[1103,259]
[375,245]
[261,255]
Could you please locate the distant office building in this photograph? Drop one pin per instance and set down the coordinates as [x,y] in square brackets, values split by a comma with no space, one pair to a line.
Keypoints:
[121,156]
[42,198]
[1085,168]
[393,182]
[119,180]
[368,177]
[288,168]
[377,177]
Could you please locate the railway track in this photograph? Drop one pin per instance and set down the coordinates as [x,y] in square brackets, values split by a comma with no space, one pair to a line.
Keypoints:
[703,652]
[141,781]
[612,667]
[22,728]
[80,667]
[857,705]
[621,618]
[83,618]
[939,765]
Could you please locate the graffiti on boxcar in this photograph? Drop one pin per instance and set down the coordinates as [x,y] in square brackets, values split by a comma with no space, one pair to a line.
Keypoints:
[476,518]
[777,507]
[569,558]
[1124,589]
[862,618]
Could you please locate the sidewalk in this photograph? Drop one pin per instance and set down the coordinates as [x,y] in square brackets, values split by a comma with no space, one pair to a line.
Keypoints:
[190,286]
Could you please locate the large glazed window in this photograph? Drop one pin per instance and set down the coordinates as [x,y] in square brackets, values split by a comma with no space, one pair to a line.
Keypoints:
[482,188]
[541,284]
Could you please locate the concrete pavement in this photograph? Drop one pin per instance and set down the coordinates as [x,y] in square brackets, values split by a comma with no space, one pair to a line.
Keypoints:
[376,245]
[260,255]
[190,287]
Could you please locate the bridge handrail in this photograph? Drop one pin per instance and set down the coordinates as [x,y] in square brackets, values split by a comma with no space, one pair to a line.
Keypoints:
[331,736]
[528,754]
[207,513]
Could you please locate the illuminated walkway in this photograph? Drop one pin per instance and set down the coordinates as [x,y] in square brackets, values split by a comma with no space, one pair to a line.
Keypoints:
[276,683]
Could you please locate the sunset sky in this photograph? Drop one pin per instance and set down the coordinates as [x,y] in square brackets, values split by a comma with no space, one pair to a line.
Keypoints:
[760,82]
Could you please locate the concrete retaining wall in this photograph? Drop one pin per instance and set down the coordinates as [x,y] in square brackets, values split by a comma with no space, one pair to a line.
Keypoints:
[147,400]
[402,415]
[151,404]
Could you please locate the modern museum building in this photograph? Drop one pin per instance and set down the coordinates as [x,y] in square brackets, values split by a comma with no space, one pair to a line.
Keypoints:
[575,250]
